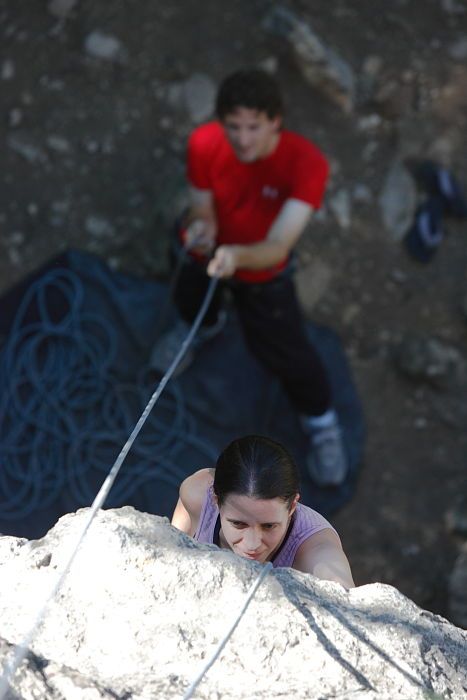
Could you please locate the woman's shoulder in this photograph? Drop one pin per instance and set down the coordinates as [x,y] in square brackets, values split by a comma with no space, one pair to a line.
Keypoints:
[193,490]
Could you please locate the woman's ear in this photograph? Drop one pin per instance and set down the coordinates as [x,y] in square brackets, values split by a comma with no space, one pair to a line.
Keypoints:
[293,505]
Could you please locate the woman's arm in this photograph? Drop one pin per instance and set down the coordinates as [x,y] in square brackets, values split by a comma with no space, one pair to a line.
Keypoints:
[322,555]
[190,502]
[181,518]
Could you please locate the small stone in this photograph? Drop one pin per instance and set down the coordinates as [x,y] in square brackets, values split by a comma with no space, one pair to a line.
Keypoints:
[372,65]
[59,144]
[61,8]
[457,590]
[312,283]
[269,64]
[420,423]
[453,7]
[99,227]
[8,69]
[14,256]
[341,206]
[165,123]
[91,146]
[362,194]
[398,200]
[456,517]
[200,94]
[15,117]
[16,238]
[103,46]
[369,121]
[24,147]
[60,207]
[458,51]
[32,209]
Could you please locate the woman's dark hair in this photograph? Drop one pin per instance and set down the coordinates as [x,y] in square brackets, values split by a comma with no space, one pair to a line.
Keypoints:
[251,88]
[258,467]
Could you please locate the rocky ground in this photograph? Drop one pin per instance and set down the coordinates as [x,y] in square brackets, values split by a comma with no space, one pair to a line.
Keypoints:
[97,102]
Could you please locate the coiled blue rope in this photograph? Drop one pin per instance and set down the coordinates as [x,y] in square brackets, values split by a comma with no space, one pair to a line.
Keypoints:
[64,413]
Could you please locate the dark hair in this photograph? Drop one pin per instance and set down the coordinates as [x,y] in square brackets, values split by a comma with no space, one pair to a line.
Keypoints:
[258,467]
[251,88]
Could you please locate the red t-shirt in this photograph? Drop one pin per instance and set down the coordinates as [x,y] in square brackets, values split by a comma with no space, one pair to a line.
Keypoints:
[249,196]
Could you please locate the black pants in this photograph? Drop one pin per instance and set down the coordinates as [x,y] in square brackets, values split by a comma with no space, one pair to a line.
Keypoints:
[274,330]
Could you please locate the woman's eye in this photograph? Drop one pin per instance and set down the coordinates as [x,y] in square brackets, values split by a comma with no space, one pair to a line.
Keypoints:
[269,527]
[239,526]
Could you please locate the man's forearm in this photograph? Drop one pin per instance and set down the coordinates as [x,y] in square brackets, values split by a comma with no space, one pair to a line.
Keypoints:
[257,256]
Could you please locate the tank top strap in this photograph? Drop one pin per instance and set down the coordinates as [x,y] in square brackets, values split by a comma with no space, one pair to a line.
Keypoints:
[207,519]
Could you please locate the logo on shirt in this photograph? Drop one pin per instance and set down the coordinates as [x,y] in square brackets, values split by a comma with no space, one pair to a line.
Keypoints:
[270,192]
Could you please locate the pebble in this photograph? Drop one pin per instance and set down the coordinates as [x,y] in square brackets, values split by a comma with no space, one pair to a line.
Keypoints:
[104,46]
[15,117]
[8,69]
[58,143]
[362,194]
[200,95]
[458,51]
[61,8]
[99,227]
[341,206]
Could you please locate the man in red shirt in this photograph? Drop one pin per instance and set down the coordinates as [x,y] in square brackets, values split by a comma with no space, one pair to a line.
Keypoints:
[253,189]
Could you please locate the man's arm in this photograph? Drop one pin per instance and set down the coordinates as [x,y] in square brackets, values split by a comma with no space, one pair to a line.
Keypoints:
[322,555]
[281,238]
[201,223]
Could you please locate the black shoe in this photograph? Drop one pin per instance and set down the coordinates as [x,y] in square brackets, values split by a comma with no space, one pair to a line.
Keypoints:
[438,181]
[425,235]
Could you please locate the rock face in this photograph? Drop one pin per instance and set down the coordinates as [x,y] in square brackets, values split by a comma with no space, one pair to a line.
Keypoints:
[144,607]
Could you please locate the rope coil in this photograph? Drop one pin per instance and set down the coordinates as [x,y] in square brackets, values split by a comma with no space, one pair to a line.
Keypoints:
[21,649]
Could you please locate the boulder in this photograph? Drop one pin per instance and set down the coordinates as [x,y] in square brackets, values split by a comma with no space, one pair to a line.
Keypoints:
[144,607]
[319,63]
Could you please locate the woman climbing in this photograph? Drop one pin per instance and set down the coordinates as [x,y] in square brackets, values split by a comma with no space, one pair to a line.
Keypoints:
[250,504]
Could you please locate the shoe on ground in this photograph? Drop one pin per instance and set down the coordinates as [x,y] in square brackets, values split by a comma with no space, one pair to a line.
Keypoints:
[425,235]
[440,182]
[168,345]
[326,459]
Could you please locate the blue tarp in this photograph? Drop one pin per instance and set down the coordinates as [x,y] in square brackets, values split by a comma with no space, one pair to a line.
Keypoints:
[74,379]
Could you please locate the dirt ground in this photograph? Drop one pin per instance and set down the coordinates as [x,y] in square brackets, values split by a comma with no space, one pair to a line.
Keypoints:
[92,154]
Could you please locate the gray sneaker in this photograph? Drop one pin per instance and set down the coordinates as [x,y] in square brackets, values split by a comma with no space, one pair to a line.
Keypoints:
[326,460]
[169,344]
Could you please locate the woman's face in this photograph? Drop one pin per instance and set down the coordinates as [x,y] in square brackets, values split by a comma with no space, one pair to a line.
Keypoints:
[254,528]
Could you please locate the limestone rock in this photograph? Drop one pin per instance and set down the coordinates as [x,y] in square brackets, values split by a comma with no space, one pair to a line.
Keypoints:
[144,607]
[398,200]
[430,360]
[312,282]
[319,64]
[457,596]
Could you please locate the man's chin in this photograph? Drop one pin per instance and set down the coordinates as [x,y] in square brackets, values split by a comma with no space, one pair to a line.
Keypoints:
[246,157]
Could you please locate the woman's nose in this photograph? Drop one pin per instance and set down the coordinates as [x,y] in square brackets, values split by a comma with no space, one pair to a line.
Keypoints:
[252,540]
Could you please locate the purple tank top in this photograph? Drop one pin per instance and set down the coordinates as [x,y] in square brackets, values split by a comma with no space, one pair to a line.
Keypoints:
[306,522]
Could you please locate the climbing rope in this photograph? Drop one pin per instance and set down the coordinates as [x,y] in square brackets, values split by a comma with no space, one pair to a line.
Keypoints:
[21,649]
[251,593]
[64,411]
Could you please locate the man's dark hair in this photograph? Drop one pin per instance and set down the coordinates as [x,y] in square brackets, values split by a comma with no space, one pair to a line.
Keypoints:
[257,467]
[251,88]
